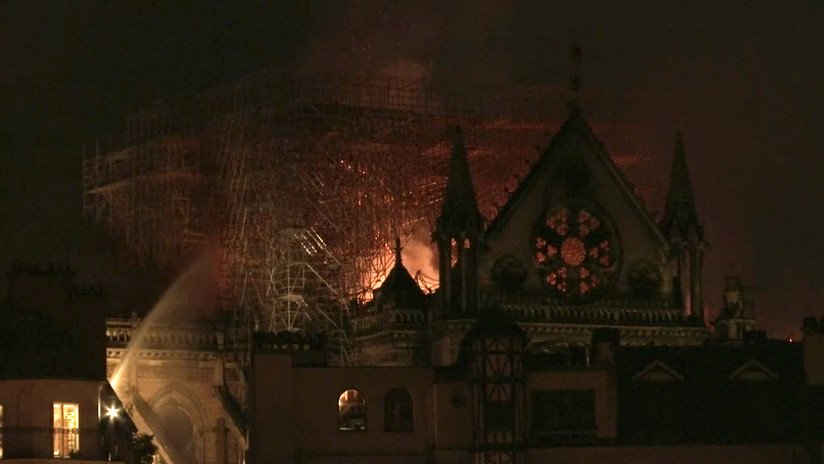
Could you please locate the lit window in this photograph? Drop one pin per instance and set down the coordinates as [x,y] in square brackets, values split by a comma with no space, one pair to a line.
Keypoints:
[66,429]
[398,411]
[1,431]
[351,411]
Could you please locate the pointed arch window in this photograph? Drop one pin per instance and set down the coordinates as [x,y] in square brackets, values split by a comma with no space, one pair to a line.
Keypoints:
[398,412]
[351,411]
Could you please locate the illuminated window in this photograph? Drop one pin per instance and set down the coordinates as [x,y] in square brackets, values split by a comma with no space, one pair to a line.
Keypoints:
[66,421]
[398,411]
[1,431]
[351,411]
[575,251]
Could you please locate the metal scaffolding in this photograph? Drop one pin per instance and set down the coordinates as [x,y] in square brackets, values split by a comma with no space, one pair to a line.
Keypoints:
[303,182]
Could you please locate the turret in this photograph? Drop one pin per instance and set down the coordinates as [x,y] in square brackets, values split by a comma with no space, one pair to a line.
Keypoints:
[457,234]
[391,331]
[496,349]
[681,225]
[399,290]
[736,318]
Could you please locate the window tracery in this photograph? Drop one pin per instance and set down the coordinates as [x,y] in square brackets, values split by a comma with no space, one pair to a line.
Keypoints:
[575,251]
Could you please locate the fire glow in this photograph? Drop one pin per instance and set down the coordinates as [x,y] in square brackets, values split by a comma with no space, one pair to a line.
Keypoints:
[417,257]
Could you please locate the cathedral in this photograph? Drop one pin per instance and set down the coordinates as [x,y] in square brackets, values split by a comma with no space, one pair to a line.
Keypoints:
[572,249]
[569,328]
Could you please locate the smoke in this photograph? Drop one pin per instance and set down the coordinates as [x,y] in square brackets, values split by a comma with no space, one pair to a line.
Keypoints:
[420,259]
[436,40]
[408,69]
[417,256]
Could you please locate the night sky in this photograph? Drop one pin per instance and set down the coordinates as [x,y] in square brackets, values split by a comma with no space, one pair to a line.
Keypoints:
[744,81]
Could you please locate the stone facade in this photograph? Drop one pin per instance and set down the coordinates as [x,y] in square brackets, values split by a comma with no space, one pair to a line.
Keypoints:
[180,385]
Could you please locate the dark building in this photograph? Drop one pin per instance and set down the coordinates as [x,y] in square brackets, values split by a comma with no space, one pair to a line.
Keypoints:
[752,393]
[55,400]
[52,326]
[507,401]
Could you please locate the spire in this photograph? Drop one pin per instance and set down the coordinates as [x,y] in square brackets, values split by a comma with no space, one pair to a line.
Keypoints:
[680,218]
[459,214]
[398,258]
[575,80]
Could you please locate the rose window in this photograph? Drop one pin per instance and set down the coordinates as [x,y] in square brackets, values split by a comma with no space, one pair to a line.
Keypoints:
[575,251]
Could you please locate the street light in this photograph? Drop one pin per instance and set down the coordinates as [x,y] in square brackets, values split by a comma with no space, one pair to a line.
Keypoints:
[112,412]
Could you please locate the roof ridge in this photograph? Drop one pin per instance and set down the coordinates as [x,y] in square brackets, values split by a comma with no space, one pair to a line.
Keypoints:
[576,118]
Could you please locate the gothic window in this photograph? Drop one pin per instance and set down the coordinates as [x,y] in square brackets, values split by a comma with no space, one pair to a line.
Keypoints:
[575,251]
[176,422]
[1,431]
[398,415]
[66,426]
[351,411]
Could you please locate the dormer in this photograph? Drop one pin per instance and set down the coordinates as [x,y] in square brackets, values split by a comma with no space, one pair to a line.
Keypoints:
[658,371]
[753,370]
